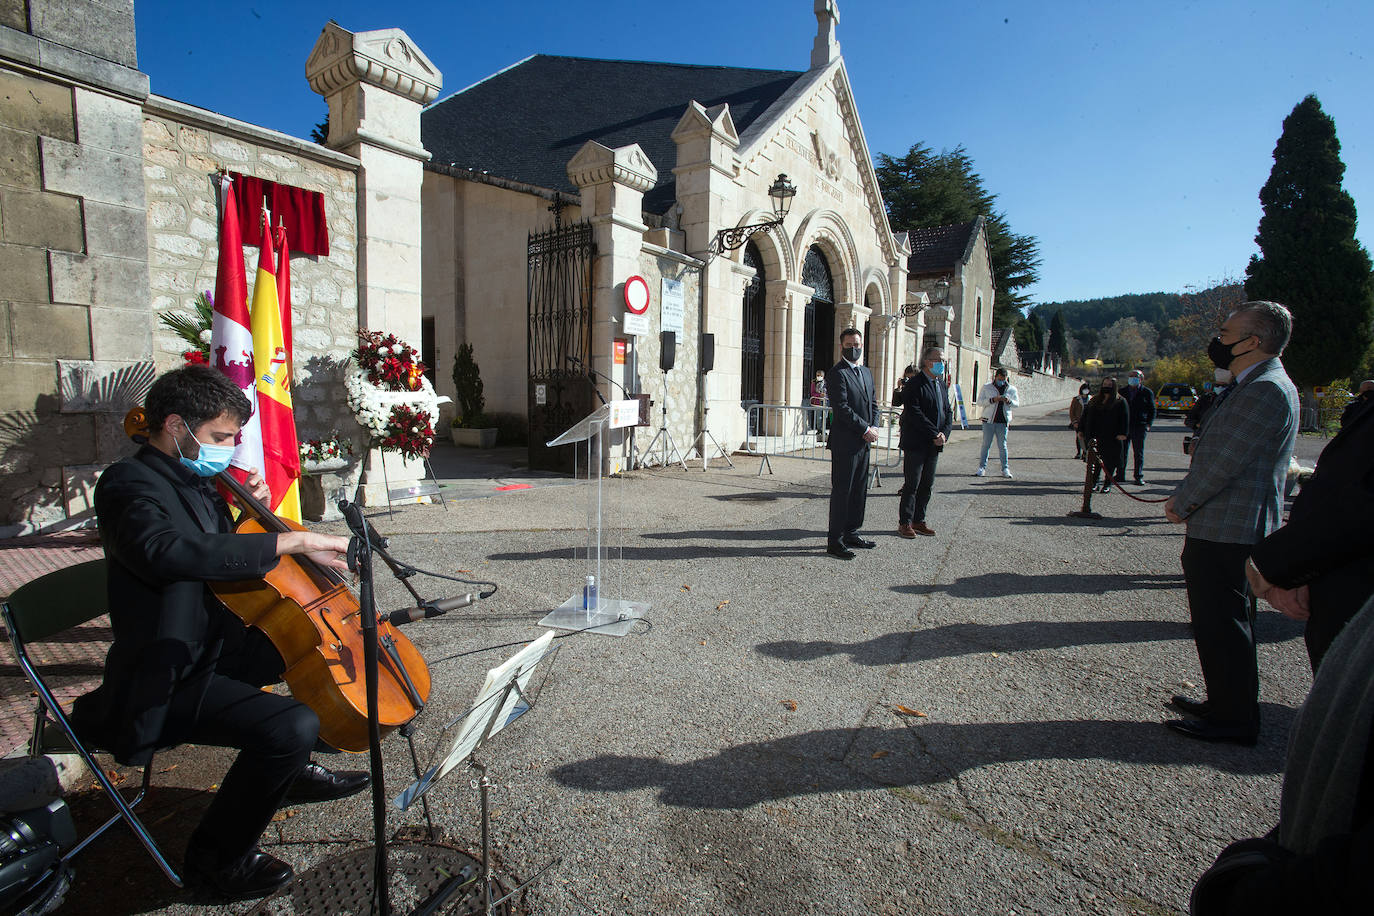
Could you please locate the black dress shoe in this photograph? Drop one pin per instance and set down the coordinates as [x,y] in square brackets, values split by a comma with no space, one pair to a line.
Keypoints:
[1189,706]
[317,783]
[256,874]
[856,541]
[1203,730]
[1140,481]
[839,550]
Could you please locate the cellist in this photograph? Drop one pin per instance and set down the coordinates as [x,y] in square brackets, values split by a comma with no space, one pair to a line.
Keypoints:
[182,668]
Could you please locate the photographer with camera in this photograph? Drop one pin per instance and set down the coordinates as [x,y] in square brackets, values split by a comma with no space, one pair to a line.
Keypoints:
[926,425]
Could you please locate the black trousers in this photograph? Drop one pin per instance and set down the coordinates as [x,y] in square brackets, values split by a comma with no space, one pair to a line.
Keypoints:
[918,471]
[276,735]
[1219,605]
[848,492]
[1137,443]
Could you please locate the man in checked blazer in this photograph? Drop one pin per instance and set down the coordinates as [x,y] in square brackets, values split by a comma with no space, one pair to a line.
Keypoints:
[1230,500]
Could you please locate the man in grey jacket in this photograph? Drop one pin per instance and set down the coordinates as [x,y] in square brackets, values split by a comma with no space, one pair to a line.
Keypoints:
[1231,499]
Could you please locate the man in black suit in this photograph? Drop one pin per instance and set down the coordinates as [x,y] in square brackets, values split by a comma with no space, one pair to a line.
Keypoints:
[926,425]
[181,667]
[1141,402]
[849,385]
[1320,566]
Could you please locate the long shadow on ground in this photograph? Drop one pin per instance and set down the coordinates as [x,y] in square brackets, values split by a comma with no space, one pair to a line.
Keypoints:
[841,759]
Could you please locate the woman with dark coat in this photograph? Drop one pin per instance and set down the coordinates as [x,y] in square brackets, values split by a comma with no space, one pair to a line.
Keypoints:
[1107,420]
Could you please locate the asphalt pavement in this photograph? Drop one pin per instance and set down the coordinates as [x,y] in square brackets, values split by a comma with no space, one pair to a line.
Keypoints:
[963,724]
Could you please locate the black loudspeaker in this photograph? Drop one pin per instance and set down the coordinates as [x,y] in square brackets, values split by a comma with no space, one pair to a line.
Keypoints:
[708,352]
[667,350]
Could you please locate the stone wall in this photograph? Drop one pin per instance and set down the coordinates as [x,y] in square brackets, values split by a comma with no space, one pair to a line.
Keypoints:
[74,336]
[1042,388]
[643,373]
[183,147]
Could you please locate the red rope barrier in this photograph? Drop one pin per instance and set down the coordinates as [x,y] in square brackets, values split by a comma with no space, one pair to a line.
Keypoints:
[1093,456]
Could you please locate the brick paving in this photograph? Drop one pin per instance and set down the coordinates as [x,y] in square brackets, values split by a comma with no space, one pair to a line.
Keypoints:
[72,664]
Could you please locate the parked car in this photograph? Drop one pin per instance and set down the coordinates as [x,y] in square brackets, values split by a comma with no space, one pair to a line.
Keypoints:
[1175,399]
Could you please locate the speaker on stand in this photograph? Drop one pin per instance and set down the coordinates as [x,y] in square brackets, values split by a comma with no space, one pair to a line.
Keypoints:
[667,356]
[708,362]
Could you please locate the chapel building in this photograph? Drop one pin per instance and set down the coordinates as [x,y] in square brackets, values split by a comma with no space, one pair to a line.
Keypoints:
[558,179]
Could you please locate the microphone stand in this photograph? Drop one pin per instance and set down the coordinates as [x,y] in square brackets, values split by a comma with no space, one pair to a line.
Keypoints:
[593,375]
[362,563]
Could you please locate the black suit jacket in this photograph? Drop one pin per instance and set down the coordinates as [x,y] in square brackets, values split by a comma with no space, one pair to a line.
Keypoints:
[1141,402]
[925,411]
[1326,544]
[854,405]
[165,534]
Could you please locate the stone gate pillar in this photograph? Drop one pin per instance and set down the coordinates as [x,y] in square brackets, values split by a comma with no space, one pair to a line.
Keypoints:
[376,84]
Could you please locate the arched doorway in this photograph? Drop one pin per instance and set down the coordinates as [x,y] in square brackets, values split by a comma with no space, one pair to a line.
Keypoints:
[818,329]
[751,337]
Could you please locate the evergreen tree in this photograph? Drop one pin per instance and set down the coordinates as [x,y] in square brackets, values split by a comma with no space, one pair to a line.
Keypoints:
[1058,345]
[923,189]
[1309,259]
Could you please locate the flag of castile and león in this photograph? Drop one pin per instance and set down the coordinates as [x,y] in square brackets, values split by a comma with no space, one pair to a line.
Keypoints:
[272,370]
[231,333]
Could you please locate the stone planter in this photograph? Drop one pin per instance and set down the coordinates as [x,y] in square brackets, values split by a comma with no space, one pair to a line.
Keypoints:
[320,467]
[474,438]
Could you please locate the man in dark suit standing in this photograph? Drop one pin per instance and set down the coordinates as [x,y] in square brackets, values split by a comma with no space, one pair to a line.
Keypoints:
[181,667]
[849,385]
[926,425]
[1320,566]
[1230,500]
[1141,402]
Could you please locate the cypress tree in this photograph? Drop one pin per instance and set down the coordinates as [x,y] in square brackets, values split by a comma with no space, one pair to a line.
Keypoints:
[1309,258]
[1059,338]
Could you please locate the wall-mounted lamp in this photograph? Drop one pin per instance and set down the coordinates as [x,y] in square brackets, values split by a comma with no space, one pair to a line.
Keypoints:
[781,192]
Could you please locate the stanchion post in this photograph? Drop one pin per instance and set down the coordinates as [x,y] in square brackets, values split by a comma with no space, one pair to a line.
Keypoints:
[1087,510]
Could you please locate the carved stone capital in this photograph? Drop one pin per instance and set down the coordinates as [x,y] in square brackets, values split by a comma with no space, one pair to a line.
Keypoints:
[385,58]
[597,164]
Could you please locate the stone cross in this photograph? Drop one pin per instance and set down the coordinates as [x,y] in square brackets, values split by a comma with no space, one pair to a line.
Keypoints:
[827,47]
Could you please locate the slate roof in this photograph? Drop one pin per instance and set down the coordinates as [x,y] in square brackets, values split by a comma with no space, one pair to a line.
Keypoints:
[527,121]
[938,249]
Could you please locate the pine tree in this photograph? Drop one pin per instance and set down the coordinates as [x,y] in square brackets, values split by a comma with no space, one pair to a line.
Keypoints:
[1309,259]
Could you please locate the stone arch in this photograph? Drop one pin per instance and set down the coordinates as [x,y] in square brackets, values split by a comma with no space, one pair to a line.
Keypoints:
[779,262]
[875,279]
[828,230]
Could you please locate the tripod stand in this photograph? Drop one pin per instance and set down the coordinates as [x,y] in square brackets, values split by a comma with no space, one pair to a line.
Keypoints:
[671,454]
[703,437]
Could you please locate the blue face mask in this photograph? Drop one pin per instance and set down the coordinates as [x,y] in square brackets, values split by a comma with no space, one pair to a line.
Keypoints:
[937,369]
[210,460]
[1133,382]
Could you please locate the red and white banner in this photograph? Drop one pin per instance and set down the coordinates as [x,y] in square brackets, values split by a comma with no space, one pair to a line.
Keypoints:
[231,335]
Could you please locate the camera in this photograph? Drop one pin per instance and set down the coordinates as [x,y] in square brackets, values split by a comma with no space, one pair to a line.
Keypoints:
[32,876]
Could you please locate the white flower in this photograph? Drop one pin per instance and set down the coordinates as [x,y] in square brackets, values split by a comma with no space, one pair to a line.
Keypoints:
[205,336]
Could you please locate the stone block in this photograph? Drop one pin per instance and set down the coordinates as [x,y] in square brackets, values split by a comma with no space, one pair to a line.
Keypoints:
[203,230]
[178,244]
[118,231]
[103,28]
[192,139]
[122,334]
[231,150]
[27,384]
[41,219]
[108,123]
[166,214]
[280,162]
[36,105]
[156,131]
[111,442]
[44,331]
[97,280]
[93,174]
[25,271]
[162,155]
[109,387]
[19,159]
[14,14]
[78,488]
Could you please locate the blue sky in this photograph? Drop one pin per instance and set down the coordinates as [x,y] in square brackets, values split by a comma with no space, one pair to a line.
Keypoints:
[1130,139]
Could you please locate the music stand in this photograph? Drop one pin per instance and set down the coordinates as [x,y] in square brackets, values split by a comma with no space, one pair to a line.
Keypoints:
[604,615]
[504,697]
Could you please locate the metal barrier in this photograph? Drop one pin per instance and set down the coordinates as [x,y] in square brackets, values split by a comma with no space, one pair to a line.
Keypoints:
[801,432]
[1325,421]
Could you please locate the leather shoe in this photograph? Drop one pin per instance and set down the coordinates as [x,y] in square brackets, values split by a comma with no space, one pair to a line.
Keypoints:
[316,783]
[856,541]
[1203,730]
[1140,481]
[256,874]
[904,530]
[1189,706]
[923,528]
[839,550]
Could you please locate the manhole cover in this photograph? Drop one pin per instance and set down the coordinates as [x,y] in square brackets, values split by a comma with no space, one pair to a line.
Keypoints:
[417,871]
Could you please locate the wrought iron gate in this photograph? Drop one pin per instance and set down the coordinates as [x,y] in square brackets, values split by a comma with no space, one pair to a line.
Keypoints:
[559,304]
[751,340]
[818,323]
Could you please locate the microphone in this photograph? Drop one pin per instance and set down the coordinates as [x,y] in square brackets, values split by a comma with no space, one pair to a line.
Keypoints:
[594,375]
[435,608]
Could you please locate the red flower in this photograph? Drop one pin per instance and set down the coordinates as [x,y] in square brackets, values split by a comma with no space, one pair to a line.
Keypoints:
[195,358]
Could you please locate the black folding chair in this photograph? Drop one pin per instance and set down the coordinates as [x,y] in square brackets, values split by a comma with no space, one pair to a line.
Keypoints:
[37,612]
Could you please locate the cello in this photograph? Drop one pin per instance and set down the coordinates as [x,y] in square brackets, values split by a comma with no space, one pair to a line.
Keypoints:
[314,620]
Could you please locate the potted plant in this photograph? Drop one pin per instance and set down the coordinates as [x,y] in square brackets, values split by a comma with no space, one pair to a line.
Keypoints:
[470,426]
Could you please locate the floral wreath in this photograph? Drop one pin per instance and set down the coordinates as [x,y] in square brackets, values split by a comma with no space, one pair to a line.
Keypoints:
[390,397]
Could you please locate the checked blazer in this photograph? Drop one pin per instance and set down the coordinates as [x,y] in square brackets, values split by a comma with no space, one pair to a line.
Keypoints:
[1234,489]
